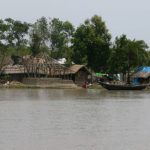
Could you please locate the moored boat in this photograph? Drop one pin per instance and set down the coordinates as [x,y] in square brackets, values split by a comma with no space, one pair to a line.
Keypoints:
[110,86]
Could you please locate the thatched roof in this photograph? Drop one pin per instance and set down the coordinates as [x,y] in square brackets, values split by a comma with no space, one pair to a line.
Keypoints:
[41,59]
[75,68]
[37,65]
[14,69]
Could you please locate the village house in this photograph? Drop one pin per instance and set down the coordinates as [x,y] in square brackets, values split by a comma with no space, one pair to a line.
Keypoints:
[80,74]
[45,67]
[35,67]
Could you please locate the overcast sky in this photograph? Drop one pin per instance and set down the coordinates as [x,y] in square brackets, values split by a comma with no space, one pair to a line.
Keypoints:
[129,17]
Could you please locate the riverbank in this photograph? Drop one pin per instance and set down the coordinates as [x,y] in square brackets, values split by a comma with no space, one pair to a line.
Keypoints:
[52,85]
[16,84]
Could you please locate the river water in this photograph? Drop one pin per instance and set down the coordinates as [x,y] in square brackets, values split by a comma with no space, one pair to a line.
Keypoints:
[50,119]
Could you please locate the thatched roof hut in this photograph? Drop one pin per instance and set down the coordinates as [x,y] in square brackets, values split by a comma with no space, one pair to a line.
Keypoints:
[40,66]
[79,73]
[45,66]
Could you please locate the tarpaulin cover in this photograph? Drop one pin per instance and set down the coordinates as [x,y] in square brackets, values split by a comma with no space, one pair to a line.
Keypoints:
[145,69]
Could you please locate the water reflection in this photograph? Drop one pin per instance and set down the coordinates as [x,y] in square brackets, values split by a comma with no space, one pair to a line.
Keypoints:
[45,119]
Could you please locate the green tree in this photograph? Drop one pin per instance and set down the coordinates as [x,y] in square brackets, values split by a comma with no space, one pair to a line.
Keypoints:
[127,54]
[5,55]
[148,60]
[39,36]
[60,38]
[118,58]
[91,44]
[16,33]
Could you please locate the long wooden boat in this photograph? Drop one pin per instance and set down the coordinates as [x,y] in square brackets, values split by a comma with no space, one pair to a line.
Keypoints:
[110,86]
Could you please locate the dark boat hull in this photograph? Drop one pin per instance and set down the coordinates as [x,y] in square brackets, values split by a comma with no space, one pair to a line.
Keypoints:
[110,86]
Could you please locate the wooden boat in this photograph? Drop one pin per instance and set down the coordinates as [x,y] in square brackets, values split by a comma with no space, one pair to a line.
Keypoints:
[110,86]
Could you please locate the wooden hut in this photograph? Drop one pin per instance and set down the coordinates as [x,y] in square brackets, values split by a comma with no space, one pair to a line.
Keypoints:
[79,74]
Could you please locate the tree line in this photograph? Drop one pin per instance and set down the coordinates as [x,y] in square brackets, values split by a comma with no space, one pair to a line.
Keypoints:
[90,44]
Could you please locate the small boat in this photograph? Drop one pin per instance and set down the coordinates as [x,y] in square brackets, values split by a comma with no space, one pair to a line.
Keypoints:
[110,86]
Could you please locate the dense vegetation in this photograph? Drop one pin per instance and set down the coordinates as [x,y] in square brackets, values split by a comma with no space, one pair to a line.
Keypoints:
[90,44]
